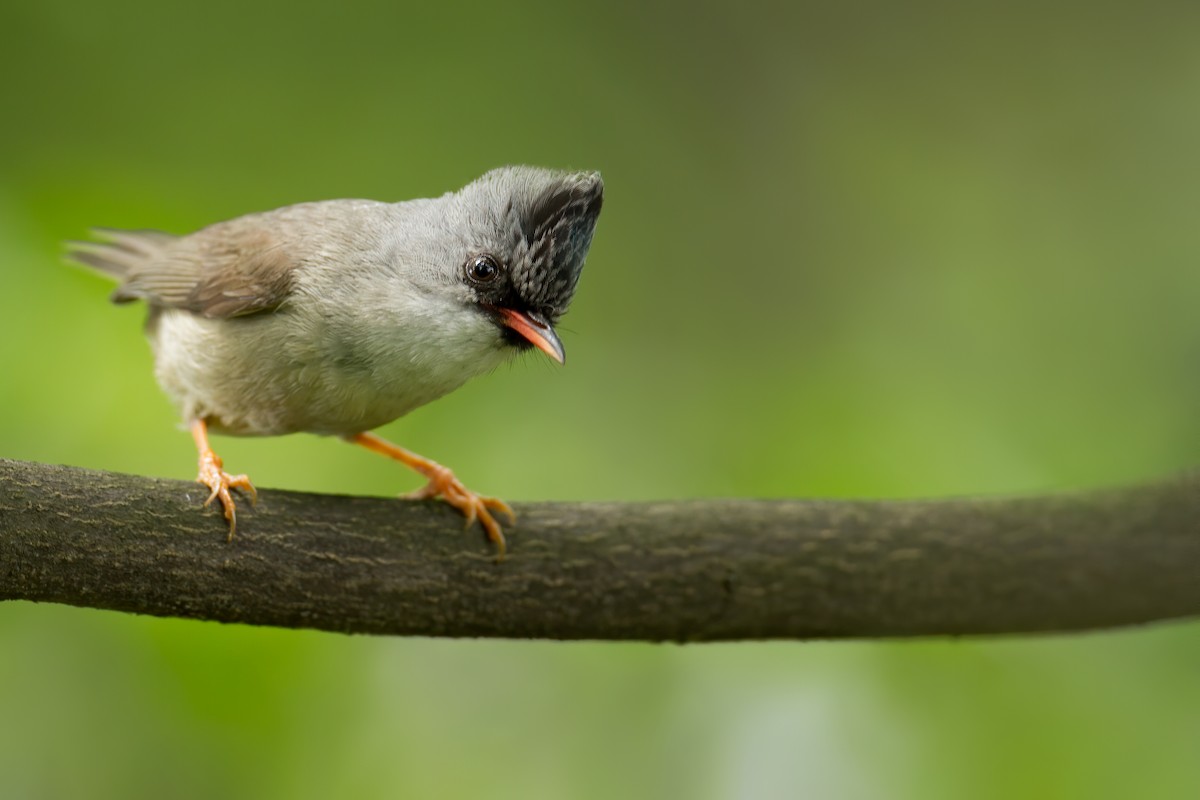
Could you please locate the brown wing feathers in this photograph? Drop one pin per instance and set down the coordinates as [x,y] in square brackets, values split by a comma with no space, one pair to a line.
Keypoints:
[227,273]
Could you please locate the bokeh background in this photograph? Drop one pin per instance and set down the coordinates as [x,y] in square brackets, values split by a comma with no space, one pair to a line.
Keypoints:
[853,250]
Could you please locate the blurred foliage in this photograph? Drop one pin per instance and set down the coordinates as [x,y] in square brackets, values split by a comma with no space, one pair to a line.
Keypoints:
[860,249]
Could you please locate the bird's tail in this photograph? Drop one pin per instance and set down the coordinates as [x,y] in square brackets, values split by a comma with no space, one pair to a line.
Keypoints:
[119,252]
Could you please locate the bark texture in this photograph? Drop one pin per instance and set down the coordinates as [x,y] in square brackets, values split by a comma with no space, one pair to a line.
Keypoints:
[701,570]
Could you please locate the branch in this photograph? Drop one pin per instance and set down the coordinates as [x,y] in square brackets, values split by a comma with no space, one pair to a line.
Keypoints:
[701,570]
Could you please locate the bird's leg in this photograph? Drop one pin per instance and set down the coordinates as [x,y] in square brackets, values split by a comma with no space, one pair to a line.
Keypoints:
[443,482]
[217,479]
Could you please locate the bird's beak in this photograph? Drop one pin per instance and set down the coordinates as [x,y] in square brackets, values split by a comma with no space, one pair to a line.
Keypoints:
[534,327]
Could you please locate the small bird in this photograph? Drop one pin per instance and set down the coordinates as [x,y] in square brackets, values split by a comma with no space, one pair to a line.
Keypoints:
[339,316]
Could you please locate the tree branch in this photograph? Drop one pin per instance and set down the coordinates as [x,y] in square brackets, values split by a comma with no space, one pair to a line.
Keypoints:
[701,570]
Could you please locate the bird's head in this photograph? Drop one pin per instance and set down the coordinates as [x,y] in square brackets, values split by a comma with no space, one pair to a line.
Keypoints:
[527,234]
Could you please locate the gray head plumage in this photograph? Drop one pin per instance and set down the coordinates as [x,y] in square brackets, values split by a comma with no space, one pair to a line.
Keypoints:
[544,221]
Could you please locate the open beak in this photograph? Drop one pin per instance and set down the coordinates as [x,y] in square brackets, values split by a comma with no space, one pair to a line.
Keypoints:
[534,327]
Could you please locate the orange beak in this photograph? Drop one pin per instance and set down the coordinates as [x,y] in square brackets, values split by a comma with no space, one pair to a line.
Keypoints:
[534,327]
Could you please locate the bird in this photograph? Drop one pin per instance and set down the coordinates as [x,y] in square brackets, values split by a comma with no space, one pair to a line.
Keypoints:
[335,317]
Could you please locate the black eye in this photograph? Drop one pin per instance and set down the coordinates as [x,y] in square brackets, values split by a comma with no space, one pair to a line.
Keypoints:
[483,269]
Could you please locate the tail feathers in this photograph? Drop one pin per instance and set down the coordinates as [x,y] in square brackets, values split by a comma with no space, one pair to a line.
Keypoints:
[120,253]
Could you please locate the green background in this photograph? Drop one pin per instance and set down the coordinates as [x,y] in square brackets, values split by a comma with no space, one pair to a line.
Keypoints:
[874,249]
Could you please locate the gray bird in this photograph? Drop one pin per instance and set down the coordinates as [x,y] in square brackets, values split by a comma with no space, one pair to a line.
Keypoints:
[337,317]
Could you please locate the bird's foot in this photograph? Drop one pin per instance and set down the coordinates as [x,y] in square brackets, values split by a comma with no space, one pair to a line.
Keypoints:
[444,484]
[220,482]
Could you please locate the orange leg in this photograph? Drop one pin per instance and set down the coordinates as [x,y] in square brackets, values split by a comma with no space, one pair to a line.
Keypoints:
[442,482]
[217,479]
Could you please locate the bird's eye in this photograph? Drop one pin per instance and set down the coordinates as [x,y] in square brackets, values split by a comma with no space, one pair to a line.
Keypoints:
[483,269]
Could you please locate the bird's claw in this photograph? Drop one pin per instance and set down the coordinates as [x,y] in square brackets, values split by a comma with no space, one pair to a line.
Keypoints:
[220,482]
[443,483]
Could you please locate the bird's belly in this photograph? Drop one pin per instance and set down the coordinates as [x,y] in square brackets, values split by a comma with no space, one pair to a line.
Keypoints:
[253,377]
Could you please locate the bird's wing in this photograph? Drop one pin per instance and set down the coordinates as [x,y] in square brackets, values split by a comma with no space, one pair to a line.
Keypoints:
[230,269]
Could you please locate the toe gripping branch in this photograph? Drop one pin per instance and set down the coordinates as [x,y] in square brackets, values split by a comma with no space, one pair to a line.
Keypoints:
[213,475]
[444,484]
